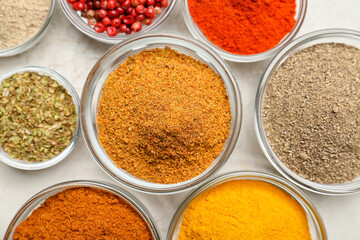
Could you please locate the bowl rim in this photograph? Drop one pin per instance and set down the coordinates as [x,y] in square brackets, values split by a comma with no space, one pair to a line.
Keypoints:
[59,187]
[197,34]
[74,18]
[7,52]
[272,179]
[23,165]
[155,188]
[324,189]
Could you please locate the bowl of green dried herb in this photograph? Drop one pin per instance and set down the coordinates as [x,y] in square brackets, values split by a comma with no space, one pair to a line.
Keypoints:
[39,120]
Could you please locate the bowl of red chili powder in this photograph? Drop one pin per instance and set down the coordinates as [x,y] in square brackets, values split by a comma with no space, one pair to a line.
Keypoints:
[161,113]
[247,30]
[80,209]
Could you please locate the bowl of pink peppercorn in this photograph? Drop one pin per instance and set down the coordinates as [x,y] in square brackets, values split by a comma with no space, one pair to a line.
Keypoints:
[111,21]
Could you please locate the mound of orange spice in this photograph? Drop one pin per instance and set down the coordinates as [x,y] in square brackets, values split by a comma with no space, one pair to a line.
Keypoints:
[163,116]
[83,213]
[244,27]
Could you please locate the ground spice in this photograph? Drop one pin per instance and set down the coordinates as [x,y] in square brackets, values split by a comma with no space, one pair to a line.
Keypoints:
[37,117]
[83,213]
[163,116]
[20,20]
[244,27]
[311,113]
[245,209]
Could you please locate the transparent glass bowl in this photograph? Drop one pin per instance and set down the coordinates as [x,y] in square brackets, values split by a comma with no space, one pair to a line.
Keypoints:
[35,202]
[6,52]
[20,164]
[348,37]
[119,53]
[83,27]
[301,6]
[316,225]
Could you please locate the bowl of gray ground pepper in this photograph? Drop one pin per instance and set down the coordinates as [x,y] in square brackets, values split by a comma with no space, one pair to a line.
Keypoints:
[307,112]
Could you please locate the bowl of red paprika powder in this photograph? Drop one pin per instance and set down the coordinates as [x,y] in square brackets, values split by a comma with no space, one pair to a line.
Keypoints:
[79,209]
[244,31]
[141,152]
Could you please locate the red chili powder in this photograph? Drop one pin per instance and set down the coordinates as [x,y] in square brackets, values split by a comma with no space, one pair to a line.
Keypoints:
[244,26]
[84,213]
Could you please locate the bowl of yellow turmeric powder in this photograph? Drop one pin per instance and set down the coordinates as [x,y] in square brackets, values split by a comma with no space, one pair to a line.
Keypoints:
[161,112]
[247,205]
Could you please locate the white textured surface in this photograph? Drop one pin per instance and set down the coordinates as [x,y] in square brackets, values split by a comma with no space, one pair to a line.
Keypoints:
[73,54]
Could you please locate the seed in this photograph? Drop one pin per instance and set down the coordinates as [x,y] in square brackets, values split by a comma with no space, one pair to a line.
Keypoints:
[140,9]
[99,27]
[90,14]
[111,31]
[136,27]
[106,21]
[116,22]
[150,12]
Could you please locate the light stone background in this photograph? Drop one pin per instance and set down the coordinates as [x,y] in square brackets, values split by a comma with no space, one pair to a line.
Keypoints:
[73,54]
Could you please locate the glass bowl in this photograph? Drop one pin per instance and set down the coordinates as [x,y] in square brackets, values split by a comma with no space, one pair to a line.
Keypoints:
[348,37]
[6,52]
[35,201]
[301,6]
[116,55]
[316,225]
[83,27]
[20,164]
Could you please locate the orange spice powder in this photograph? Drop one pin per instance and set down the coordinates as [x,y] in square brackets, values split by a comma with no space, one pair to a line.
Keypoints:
[244,27]
[163,116]
[83,213]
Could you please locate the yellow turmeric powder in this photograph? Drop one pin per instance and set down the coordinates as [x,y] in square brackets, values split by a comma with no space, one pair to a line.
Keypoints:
[245,209]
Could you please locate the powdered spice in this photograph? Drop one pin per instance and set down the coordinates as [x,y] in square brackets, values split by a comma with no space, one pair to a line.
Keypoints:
[83,213]
[244,210]
[20,20]
[311,113]
[163,116]
[244,26]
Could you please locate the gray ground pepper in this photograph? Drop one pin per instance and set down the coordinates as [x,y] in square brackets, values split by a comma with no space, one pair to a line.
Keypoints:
[311,112]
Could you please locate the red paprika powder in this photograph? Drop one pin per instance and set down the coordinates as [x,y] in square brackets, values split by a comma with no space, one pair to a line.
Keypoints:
[244,26]
[84,213]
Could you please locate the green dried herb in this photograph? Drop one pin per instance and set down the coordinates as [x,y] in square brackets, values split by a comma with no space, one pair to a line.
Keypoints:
[37,117]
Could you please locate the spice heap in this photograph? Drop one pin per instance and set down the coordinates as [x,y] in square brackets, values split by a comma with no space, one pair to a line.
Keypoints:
[244,27]
[163,116]
[245,209]
[37,117]
[84,213]
[311,113]
[20,20]
[114,16]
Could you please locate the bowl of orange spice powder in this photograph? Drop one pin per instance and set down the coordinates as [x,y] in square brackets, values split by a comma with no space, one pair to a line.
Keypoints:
[244,30]
[161,113]
[247,205]
[82,210]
